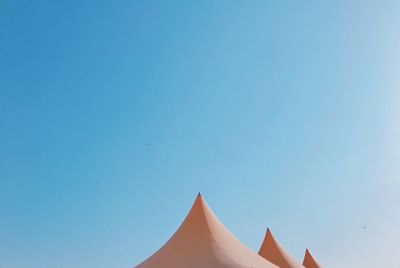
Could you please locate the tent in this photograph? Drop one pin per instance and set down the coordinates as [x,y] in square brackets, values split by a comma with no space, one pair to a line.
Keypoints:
[202,241]
[273,251]
[310,261]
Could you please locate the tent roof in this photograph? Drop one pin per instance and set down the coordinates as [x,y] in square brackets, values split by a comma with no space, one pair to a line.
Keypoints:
[310,261]
[274,252]
[202,241]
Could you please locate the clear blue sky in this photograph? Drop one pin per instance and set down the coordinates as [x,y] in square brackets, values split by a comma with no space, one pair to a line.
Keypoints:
[114,114]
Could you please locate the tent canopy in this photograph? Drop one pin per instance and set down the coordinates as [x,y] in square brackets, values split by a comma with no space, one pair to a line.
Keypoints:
[310,261]
[274,252]
[202,241]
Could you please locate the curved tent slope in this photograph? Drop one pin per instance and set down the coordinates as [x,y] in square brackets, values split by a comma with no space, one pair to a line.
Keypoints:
[274,252]
[310,261]
[202,241]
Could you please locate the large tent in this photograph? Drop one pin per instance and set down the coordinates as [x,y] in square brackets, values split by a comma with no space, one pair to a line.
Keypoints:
[202,241]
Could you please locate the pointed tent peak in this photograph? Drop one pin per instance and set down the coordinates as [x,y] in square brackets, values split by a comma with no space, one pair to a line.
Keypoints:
[199,199]
[199,202]
[274,252]
[199,196]
[269,239]
[269,234]
[200,218]
[310,261]
[203,241]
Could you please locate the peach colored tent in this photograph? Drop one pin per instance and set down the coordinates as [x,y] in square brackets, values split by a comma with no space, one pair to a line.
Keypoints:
[310,261]
[273,251]
[202,241]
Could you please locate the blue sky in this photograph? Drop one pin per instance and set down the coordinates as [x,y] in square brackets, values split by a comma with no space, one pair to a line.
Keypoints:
[114,114]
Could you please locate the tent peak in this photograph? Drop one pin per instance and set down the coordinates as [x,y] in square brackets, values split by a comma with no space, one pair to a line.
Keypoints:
[203,241]
[269,236]
[274,252]
[269,232]
[308,252]
[310,261]
[199,199]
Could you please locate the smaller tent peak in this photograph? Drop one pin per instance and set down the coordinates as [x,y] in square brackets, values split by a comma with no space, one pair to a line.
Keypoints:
[199,194]
[269,236]
[274,252]
[308,253]
[310,261]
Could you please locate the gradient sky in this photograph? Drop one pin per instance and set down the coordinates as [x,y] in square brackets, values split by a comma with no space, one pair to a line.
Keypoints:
[115,114]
